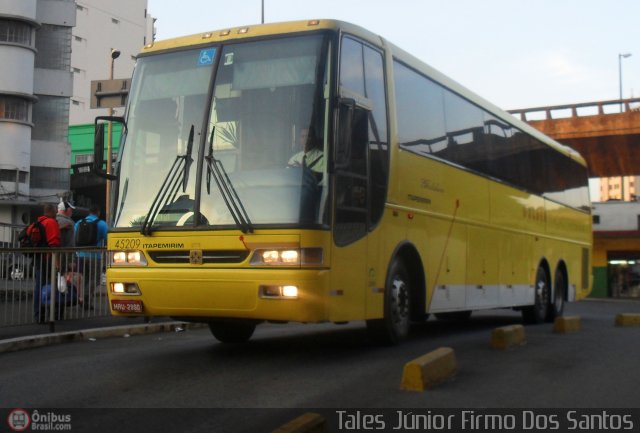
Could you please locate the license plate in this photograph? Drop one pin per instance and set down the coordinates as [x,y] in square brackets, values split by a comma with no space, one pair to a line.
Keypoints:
[126,306]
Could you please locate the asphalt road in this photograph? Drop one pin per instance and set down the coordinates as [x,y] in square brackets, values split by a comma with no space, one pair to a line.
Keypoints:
[329,366]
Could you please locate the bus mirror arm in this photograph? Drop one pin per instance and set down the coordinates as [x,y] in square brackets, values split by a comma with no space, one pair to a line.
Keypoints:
[98,145]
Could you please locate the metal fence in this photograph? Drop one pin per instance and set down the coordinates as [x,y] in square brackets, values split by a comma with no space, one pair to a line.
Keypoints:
[46,285]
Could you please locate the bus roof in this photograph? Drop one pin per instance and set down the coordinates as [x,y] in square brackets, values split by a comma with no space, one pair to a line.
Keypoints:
[259,30]
[247,32]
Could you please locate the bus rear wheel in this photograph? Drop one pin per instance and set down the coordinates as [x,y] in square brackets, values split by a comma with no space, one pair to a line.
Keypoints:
[557,307]
[394,326]
[232,332]
[538,312]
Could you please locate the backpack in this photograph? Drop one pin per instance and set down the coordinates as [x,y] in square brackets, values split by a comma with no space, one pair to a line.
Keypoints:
[33,236]
[87,233]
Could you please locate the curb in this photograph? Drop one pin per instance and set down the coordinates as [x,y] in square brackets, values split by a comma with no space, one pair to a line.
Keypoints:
[507,337]
[628,319]
[567,324]
[31,342]
[429,370]
[308,423]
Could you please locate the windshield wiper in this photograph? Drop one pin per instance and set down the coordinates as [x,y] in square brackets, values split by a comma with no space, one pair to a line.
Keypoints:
[178,173]
[216,169]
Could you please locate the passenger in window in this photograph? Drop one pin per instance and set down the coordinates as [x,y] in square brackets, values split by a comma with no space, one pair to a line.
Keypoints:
[311,155]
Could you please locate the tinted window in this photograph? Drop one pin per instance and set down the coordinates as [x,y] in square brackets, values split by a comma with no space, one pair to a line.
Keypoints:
[374,83]
[361,181]
[420,112]
[566,181]
[352,194]
[433,120]
[378,142]
[351,71]
[498,141]
[465,130]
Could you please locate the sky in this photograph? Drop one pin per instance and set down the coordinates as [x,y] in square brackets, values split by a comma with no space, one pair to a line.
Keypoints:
[515,53]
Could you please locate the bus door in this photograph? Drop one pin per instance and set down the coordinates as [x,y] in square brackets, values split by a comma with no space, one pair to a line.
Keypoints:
[349,256]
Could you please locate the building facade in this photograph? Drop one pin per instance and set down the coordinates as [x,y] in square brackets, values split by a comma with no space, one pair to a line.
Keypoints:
[35,60]
[50,51]
[102,26]
[616,249]
[619,188]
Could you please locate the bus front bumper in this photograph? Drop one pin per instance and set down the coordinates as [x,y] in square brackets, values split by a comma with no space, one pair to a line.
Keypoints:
[259,294]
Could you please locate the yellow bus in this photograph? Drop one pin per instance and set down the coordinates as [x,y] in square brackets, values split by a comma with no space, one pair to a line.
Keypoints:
[313,172]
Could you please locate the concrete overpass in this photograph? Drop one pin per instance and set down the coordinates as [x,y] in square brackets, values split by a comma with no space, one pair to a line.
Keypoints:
[606,133]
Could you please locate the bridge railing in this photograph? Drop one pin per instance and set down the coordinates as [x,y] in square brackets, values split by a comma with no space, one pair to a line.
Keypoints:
[614,106]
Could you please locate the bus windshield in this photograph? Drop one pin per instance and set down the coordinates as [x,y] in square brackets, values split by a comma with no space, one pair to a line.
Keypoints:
[247,152]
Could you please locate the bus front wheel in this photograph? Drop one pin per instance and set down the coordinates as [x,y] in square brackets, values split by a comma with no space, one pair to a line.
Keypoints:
[394,326]
[232,332]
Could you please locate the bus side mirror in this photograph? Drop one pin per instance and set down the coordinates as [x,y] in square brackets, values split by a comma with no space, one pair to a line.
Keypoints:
[342,154]
[98,145]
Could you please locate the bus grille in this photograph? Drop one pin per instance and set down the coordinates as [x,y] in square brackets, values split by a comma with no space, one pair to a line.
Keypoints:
[208,256]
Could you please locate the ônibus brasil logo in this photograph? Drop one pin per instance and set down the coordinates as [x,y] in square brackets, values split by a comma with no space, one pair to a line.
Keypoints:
[19,420]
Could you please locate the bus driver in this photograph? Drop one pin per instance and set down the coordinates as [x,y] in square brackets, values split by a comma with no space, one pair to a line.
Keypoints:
[310,156]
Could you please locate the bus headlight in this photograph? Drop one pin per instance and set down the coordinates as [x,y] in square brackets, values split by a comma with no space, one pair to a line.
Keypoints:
[278,292]
[289,292]
[125,289]
[127,258]
[288,257]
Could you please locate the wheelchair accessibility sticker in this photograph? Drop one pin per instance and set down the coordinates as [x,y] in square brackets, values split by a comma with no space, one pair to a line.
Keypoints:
[207,56]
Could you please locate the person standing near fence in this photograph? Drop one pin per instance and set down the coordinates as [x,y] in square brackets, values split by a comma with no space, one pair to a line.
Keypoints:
[66,224]
[43,261]
[90,231]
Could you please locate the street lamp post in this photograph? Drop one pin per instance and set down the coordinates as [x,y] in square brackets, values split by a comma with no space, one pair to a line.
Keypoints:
[620,57]
[114,55]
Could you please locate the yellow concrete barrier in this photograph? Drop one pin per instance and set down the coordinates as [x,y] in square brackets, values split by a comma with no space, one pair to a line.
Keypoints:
[429,370]
[628,319]
[564,325]
[308,423]
[506,337]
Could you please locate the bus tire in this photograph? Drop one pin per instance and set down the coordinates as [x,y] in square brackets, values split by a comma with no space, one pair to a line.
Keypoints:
[557,306]
[538,312]
[232,332]
[394,326]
